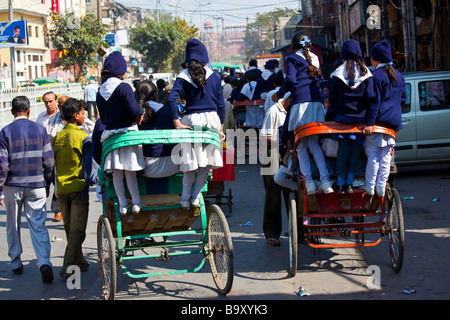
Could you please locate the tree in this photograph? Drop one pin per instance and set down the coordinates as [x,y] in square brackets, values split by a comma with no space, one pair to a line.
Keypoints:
[77,40]
[162,44]
[259,34]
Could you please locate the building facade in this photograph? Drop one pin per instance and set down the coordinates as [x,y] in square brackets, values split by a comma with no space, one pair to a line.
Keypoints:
[30,61]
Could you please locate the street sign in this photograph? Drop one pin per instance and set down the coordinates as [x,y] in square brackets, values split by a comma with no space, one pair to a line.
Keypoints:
[110,39]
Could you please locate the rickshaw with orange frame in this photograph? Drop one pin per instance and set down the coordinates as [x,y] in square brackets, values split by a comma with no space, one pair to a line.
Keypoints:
[313,217]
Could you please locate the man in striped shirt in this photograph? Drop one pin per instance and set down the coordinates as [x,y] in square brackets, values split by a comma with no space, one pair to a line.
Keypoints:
[26,171]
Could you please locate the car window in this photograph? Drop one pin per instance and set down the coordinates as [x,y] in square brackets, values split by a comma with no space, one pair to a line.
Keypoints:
[406,107]
[434,95]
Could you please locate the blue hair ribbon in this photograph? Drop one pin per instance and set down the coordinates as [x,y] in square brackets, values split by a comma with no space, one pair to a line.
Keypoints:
[304,41]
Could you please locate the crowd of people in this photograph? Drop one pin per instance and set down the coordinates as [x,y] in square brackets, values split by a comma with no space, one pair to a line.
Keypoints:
[58,148]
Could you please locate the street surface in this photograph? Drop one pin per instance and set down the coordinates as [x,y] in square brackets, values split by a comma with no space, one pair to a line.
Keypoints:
[261,272]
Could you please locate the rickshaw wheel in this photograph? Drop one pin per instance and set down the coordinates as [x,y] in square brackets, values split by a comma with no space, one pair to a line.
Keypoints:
[106,257]
[293,235]
[396,231]
[221,249]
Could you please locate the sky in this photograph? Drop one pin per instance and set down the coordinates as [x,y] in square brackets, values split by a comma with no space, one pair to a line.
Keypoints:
[198,11]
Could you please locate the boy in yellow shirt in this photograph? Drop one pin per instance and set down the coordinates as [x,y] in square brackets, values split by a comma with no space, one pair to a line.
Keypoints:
[70,183]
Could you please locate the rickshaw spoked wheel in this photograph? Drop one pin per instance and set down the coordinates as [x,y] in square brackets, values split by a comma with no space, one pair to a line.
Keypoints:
[106,257]
[396,230]
[293,235]
[221,249]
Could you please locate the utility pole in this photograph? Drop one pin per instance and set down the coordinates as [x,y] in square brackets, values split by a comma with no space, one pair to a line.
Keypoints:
[13,59]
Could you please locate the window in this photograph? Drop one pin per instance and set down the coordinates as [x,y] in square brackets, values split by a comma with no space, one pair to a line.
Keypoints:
[434,95]
[35,57]
[406,107]
[36,32]
[289,33]
[30,34]
[18,55]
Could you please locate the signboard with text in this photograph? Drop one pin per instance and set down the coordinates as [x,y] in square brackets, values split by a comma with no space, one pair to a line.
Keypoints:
[13,34]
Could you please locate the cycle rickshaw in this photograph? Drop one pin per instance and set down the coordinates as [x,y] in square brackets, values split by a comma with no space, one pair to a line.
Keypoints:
[161,220]
[314,217]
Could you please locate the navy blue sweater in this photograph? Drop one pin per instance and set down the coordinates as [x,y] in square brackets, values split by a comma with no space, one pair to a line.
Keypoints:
[163,120]
[303,88]
[346,102]
[198,101]
[121,109]
[386,109]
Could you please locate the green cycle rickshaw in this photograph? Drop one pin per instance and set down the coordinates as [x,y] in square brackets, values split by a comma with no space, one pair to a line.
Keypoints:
[161,220]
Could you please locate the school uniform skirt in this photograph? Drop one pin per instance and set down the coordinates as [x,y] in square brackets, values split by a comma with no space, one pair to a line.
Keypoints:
[129,158]
[196,155]
[304,113]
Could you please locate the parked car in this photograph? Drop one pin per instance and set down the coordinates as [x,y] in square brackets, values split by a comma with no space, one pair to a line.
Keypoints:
[425,137]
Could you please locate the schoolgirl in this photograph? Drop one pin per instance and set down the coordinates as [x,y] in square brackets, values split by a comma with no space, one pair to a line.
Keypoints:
[205,107]
[120,112]
[350,95]
[302,80]
[254,115]
[158,160]
[386,110]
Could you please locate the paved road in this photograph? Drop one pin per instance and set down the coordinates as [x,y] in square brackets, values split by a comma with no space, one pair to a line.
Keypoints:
[261,272]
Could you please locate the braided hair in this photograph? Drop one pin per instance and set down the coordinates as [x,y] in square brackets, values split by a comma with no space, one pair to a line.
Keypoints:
[198,73]
[301,41]
[145,91]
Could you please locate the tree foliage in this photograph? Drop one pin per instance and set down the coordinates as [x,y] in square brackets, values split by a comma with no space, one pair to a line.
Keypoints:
[259,34]
[77,40]
[162,44]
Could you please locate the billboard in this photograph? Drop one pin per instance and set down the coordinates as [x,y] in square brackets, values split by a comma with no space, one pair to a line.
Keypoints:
[13,34]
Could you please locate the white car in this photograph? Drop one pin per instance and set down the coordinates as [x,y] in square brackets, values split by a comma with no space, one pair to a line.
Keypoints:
[425,137]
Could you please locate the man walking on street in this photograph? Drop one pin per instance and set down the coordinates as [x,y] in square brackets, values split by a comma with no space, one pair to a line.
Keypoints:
[26,171]
[90,94]
[51,104]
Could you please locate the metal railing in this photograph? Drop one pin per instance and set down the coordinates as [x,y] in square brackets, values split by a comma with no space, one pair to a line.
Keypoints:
[34,94]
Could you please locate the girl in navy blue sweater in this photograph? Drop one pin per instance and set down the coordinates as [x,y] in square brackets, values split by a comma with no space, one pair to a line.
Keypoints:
[205,107]
[158,160]
[386,110]
[302,80]
[120,112]
[350,95]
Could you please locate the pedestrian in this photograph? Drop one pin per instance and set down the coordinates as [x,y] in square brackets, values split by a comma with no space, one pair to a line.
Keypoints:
[302,80]
[265,81]
[51,106]
[254,115]
[229,119]
[70,185]
[167,90]
[205,107]
[57,123]
[252,69]
[90,95]
[351,93]
[120,112]
[160,84]
[386,110]
[26,172]
[158,160]
[272,218]
[277,83]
